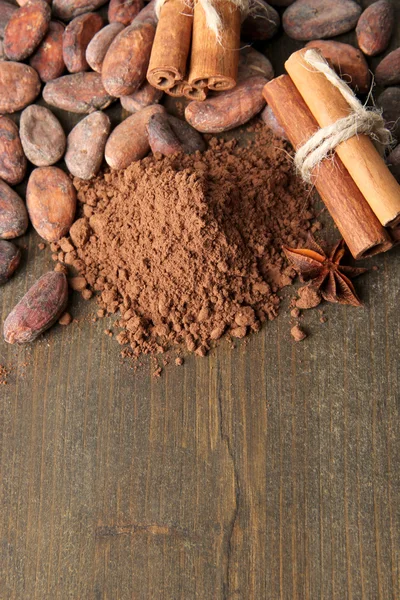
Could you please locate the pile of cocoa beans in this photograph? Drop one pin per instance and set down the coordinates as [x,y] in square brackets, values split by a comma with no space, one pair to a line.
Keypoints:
[64,55]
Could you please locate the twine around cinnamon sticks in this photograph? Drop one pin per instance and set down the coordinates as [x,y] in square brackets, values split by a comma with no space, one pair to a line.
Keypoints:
[319,114]
[196,46]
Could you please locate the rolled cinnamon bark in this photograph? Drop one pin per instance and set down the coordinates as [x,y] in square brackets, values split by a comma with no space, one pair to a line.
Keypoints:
[171,46]
[214,62]
[360,228]
[358,154]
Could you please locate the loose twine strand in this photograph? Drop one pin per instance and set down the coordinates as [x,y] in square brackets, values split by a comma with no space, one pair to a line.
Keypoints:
[360,120]
[213,18]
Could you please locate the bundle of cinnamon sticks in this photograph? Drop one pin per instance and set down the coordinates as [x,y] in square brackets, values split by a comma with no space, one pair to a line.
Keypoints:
[188,57]
[356,186]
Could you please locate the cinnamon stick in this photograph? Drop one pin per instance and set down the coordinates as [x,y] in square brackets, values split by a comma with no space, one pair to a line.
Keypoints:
[360,228]
[358,154]
[183,88]
[169,55]
[214,62]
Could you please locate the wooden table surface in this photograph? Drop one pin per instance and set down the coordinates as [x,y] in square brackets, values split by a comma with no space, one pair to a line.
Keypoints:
[264,472]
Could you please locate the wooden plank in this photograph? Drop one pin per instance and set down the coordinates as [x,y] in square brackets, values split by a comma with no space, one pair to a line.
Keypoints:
[261,472]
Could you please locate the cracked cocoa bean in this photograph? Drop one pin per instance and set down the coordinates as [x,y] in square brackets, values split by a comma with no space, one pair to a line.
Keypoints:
[12,158]
[38,310]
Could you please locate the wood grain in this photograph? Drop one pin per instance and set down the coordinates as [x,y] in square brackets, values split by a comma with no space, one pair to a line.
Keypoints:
[264,472]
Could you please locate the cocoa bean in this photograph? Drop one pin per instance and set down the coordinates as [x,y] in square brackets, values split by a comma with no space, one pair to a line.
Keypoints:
[51,202]
[148,14]
[348,62]
[252,62]
[12,158]
[13,215]
[375,26]
[161,136]
[77,36]
[68,9]
[262,22]
[129,141]
[268,117]
[48,58]
[43,138]
[314,19]
[124,11]
[38,310]
[191,140]
[85,145]
[6,12]
[393,161]
[388,70]
[19,86]
[144,96]
[169,135]
[125,64]
[10,256]
[26,29]
[2,55]
[389,102]
[80,93]
[100,43]
[228,109]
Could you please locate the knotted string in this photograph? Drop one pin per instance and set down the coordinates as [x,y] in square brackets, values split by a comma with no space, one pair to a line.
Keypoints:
[361,120]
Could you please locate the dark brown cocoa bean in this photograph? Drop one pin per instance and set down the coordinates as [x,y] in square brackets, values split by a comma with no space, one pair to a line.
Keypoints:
[13,215]
[375,26]
[389,102]
[51,202]
[77,35]
[348,62]
[48,58]
[42,136]
[144,96]
[68,9]
[161,136]
[191,140]
[80,93]
[10,256]
[85,145]
[393,162]
[251,63]
[19,86]
[26,29]
[125,64]
[124,11]
[129,140]
[38,310]
[262,22]
[100,43]
[314,19]
[12,158]
[6,12]
[268,117]
[228,109]
[388,70]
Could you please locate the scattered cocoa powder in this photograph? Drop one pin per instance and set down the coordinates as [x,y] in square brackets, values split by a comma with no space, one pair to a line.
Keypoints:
[4,373]
[297,333]
[189,247]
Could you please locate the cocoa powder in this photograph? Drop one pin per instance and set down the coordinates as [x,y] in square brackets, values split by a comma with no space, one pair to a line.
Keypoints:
[188,247]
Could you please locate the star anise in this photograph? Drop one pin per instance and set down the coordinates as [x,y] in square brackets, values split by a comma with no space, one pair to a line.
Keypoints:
[324,271]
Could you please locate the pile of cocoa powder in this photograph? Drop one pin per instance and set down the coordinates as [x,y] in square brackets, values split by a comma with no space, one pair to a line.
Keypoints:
[189,247]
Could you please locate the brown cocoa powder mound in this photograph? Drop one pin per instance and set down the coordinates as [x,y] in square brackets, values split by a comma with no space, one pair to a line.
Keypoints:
[188,248]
